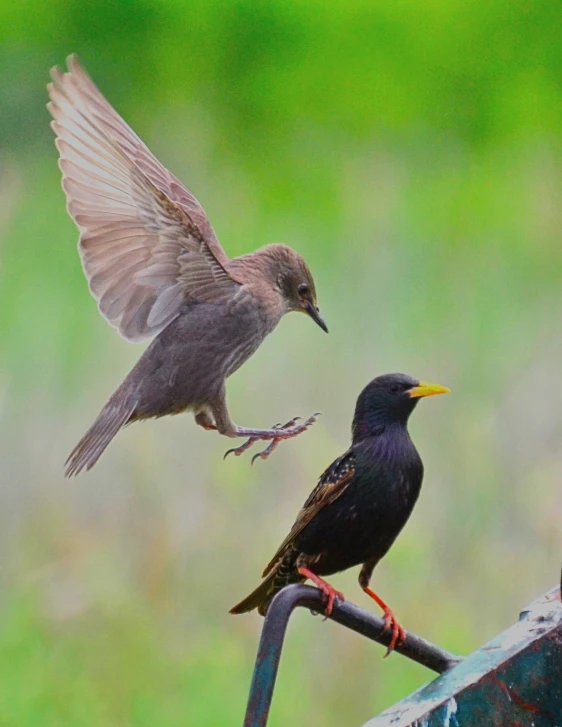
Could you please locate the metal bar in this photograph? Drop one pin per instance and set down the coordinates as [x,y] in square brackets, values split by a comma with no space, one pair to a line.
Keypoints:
[346,614]
[515,679]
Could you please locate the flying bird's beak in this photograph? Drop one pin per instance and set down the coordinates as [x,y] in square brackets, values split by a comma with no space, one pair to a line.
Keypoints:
[425,389]
[314,313]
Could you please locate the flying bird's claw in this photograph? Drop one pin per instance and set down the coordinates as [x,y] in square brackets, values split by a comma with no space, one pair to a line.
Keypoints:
[398,633]
[274,435]
[275,442]
[237,451]
[290,423]
[267,451]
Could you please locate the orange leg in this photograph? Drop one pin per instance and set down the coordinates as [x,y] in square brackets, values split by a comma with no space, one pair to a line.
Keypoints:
[325,587]
[390,621]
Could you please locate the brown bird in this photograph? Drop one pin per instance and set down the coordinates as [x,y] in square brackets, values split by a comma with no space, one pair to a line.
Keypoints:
[361,503]
[156,269]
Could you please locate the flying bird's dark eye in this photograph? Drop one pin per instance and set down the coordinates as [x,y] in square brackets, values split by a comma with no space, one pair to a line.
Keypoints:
[395,388]
[304,289]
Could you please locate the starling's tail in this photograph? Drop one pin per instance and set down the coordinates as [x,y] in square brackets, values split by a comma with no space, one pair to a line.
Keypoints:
[280,576]
[260,598]
[115,414]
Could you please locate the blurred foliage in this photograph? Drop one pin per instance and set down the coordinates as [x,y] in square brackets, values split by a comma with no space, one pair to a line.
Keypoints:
[412,152]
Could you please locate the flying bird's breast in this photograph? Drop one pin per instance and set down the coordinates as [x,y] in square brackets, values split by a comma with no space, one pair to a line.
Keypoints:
[187,363]
[234,331]
[247,326]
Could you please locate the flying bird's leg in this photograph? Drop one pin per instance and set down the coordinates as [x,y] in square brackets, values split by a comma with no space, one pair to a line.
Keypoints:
[203,419]
[264,454]
[242,448]
[390,620]
[324,586]
[275,434]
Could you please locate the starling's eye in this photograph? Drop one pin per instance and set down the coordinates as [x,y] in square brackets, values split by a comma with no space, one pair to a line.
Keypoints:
[303,289]
[395,388]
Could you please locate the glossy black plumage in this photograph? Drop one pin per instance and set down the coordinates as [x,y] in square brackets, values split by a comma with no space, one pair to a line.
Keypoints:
[362,501]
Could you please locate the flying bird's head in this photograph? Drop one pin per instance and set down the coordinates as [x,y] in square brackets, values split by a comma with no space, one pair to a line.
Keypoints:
[389,399]
[297,286]
[291,278]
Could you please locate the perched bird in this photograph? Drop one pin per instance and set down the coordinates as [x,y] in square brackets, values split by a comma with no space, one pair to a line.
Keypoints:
[360,504]
[156,269]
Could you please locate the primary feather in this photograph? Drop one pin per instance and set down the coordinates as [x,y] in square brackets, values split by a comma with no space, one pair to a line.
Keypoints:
[146,244]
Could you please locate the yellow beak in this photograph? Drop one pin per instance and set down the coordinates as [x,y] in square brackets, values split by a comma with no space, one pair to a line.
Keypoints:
[425,389]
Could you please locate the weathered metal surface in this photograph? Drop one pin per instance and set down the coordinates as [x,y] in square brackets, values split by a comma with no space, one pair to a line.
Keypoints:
[513,681]
[346,614]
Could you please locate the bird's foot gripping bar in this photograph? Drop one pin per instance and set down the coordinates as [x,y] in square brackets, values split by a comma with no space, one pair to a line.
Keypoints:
[344,613]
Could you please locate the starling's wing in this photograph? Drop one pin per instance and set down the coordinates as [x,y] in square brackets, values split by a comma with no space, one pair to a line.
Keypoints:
[145,241]
[331,485]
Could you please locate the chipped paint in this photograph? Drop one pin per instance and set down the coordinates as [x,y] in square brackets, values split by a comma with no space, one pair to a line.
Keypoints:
[450,711]
[515,679]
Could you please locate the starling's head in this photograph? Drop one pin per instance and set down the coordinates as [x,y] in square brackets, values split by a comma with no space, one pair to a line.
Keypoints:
[293,280]
[389,399]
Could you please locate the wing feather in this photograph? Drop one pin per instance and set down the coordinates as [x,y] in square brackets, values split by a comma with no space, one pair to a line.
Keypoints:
[145,241]
[331,485]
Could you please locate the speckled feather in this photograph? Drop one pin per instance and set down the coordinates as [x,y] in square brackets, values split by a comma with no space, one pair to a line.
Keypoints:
[359,506]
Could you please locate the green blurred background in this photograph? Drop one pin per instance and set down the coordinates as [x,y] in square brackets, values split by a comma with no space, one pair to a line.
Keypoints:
[412,153]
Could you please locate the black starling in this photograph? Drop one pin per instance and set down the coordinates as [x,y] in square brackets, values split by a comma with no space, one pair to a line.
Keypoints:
[360,504]
[156,268]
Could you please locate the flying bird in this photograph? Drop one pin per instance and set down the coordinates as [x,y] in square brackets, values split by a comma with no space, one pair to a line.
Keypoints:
[360,504]
[156,269]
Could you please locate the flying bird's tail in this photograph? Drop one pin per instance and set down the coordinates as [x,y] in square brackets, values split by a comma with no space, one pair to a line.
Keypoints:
[115,414]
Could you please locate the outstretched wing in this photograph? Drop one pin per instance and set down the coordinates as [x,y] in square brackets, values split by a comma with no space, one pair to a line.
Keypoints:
[145,242]
[331,485]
